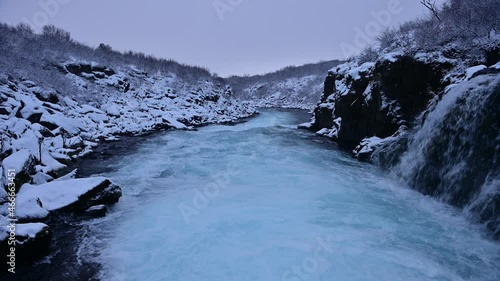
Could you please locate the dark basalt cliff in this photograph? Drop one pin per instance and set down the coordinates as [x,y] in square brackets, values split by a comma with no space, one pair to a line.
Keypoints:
[433,126]
[380,99]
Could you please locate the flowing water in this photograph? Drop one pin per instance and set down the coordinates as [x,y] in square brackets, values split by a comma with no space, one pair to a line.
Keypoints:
[455,155]
[264,201]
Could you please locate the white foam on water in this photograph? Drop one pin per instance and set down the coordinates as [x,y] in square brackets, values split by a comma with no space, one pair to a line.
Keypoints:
[288,208]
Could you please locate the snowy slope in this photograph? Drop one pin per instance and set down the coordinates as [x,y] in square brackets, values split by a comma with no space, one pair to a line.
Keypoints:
[290,87]
[68,129]
[300,92]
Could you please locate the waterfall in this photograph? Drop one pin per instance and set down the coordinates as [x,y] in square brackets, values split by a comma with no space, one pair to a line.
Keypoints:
[455,154]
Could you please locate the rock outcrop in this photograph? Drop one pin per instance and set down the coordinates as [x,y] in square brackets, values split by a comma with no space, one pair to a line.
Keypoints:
[376,99]
[432,122]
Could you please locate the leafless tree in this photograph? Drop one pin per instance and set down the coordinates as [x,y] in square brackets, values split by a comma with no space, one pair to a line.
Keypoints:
[56,33]
[40,145]
[2,144]
[431,5]
[65,135]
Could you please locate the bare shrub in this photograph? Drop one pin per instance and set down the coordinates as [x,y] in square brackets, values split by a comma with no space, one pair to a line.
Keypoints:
[369,54]
[56,33]
[24,29]
[104,48]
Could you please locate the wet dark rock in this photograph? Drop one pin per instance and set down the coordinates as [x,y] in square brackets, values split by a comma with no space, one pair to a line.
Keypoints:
[50,97]
[109,194]
[49,125]
[46,133]
[492,56]
[98,211]
[412,83]
[126,88]
[323,118]
[78,69]
[388,154]
[107,71]
[35,118]
[213,98]
[162,126]
[13,86]
[18,112]
[4,111]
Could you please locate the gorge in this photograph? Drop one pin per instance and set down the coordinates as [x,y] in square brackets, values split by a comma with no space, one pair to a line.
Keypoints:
[122,166]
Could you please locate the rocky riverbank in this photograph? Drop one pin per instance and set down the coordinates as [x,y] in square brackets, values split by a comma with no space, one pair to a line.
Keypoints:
[44,132]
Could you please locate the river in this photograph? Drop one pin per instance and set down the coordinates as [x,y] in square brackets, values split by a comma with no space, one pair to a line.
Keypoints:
[263,200]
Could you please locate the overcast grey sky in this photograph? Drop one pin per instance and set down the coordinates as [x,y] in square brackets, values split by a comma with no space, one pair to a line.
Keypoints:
[227,36]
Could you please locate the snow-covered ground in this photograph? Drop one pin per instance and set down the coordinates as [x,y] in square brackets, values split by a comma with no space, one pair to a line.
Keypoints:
[296,92]
[290,87]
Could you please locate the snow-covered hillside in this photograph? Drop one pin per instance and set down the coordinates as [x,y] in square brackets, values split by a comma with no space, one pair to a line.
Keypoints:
[302,92]
[126,101]
[291,87]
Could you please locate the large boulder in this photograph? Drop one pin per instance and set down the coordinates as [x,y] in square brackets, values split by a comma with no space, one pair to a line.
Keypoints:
[30,241]
[75,195]
[59,120]
[31,110]
[82,68]
[18,168]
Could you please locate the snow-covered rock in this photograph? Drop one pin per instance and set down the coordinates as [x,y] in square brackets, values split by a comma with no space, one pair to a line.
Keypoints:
[22,164]
[471,71]
[59,120]
[367,146]
[32,241]
[73,194]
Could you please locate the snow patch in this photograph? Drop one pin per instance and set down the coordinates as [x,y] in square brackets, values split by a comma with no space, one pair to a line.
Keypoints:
[57,194]
[469,72]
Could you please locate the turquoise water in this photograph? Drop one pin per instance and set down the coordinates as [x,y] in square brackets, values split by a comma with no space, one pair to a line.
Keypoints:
[264,201]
